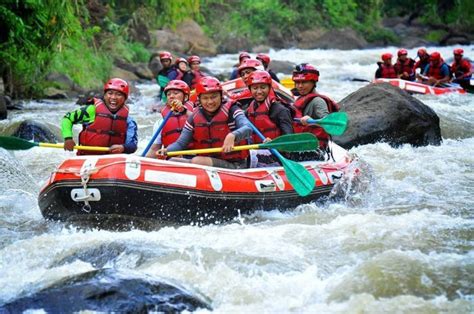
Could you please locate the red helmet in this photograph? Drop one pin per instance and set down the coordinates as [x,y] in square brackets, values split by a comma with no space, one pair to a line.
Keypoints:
[402,52]
[250,64]
[458,51]
[264,58]
[192,59]
[259,77]
[387,56]
[118,85]
[179,60]
[165,55]
[422,52]
[305,72]
[178,85]
[244,54]
[208,84]
[435,56]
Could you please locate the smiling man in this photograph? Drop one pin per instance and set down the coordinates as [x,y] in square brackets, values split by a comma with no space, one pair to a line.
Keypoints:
[215,123]
[105,122]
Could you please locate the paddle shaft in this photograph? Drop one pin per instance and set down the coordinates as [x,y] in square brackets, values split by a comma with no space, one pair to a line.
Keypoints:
[78,147]
[158,131]
[235,148]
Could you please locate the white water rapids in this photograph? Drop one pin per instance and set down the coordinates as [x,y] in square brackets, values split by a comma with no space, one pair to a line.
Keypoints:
[406,247]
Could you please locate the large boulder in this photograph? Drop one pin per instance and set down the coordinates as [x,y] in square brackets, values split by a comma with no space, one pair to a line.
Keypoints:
[199,43]
[36,131]
[109,291]
[384,113]
[167,40]
[344,39]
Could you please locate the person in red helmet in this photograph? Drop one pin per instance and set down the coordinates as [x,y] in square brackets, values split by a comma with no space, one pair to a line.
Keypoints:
[177,94]
[461,69]
[181,68]
[242,57]
[195,74]
[105,122]
[386,69]
[310,104]
[404,66]
[265,59]
[166,74]
[269,114]
[214,123]
[437,72]
[423,62]
[245,69]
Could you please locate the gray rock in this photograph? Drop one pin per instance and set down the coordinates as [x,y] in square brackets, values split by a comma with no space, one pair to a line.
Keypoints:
[54,93]
[167,40]
[110,291]
[279,66]
[198,41]
[36,131]
[344,39]
[384,113]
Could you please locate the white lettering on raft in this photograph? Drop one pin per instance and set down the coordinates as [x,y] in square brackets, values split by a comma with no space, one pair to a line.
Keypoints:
[170,178]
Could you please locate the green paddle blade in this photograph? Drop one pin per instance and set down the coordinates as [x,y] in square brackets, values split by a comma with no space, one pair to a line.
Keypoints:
[163,81]
[334,123]
[298,142]
[15,143]
[299,177]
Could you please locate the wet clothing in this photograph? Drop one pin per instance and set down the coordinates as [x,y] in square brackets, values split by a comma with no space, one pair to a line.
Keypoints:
[271,117]
[438,71]
[173,127]
[192,78]
[100,127]
[205,130]
[316,106]
[406,66]
[385,71]
[163,77]
[421,64]
[462,72]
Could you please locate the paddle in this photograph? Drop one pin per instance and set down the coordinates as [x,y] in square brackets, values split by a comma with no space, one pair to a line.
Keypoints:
[162,82]
[287,82]
[288,143]
[334,123]
[298,176]
[157,132]
[16,143]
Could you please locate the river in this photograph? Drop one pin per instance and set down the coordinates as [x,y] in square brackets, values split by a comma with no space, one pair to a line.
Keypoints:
[405,247]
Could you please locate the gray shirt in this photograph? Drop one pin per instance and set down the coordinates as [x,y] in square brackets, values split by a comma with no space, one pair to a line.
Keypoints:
[316,108]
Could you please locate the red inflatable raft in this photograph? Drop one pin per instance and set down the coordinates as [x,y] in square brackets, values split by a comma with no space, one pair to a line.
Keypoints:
[419,88]
[129,188]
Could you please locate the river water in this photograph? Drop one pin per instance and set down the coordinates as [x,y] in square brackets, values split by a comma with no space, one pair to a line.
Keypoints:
[406,246]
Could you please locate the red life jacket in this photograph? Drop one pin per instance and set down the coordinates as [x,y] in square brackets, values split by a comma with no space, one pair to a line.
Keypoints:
[180,74]
[406,66]
[387,71]
[107,129]
[173,127]
[260,117]
[197,75]
[435,70]
[420,64]
[300,104]
[208,134]
[461,68]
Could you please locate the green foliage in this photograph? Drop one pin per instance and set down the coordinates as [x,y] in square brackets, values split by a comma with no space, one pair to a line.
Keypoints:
[436,35]
[30,31]
[131,52]
[341,12]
